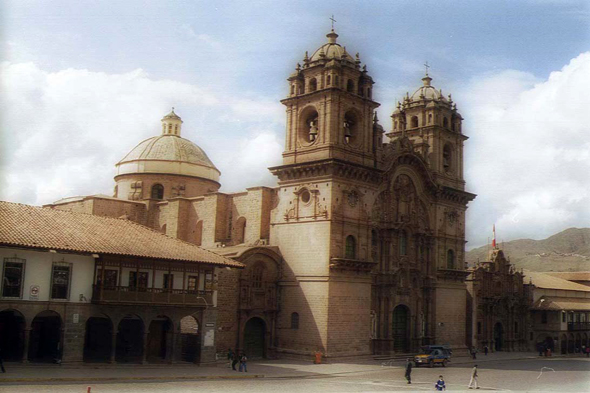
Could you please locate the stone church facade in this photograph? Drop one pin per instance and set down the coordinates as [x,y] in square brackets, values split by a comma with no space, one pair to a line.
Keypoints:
[358,250]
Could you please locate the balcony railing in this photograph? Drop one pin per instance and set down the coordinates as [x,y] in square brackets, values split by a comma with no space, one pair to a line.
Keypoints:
[120,294]
[577,326]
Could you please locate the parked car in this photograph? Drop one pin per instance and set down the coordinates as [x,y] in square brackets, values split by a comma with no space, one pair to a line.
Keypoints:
[434,354]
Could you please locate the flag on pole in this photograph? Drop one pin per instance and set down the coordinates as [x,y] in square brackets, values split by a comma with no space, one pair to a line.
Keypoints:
[494,237]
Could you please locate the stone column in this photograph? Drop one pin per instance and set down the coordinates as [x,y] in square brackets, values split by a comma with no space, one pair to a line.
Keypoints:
[113,348]
[208,330]
[145,348]
[25,358]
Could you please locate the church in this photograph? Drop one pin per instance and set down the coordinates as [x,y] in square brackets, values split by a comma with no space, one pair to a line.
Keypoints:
[359,249]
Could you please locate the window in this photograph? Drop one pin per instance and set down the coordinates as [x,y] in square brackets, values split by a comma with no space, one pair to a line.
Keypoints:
[570,317]
[329,80]
[292,89]
[403,243]
[544,317]
[60,280]
[139,282]
[350,86]
[313,85]
[447,157]
[445,122]
[193,283]
[110,278]
[350,247]
[257,274]
[450,259]
[414,122]
[369,93]
[168,281]
[479,328]
[515,327]
[563,316]
[209,280]
[157,191]
[12,280]
[294,321]
[430,118]
[305,196]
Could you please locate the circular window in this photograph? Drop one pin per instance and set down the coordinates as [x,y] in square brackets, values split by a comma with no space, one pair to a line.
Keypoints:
[305,196]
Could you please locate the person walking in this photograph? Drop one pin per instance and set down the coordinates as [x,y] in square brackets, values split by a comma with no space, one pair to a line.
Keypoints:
[440,384]
[588,352]
[473,380]
[243,361]
[473,352]
[1,362]
[235,360]
[485,350]
[230,357]
[409,370]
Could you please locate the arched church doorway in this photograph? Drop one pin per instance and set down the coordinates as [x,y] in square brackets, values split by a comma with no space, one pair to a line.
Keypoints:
[12,335]
[498,336]
[130,340]
[190,339]
[254,338]
[98,340]
[45,339]
[400,329]
[159,339]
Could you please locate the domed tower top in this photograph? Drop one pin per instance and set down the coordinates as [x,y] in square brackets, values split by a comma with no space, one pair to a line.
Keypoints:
[172,164]
[331,50]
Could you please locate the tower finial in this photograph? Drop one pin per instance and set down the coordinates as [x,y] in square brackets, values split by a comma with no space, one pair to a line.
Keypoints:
[427,67]
[333,20]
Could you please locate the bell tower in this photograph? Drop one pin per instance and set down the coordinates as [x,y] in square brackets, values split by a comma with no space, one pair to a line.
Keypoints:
[330,109]
[432,121]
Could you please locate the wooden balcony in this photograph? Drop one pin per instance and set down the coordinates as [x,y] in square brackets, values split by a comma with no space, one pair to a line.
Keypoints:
[127,295]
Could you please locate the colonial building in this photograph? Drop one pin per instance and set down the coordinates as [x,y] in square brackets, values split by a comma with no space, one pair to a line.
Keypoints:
[498,304]
[80,287]
[560,313]
[360,247]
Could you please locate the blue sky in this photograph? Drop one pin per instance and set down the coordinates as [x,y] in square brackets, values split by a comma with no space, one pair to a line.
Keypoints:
[85,81]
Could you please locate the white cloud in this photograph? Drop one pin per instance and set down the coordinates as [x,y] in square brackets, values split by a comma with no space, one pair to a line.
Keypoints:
[63,132]
[528,158]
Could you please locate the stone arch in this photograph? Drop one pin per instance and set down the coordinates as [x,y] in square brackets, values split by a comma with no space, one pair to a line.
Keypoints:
[130,339]
[45,342]
[98,339]
[448,157]
[12,334]
[350,247]
[313,85]
[159,339]
[351,126]
[239,231]
[309,125]
[157,191]
[564,344]
[190,338]
[400,328]
[571,343]
[255,337]
[414,122]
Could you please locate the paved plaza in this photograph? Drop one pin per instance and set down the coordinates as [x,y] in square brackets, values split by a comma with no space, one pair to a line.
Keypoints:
[500,371]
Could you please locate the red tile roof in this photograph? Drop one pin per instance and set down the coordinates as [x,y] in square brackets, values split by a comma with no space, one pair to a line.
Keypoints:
[50,229]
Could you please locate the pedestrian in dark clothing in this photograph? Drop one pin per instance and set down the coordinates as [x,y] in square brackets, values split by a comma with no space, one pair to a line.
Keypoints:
[485,350]
[440,384]
[235,360]
[409,370]
[473,352]
[1,362]
[230,357]
[588,352]
[243,360]
[541,350]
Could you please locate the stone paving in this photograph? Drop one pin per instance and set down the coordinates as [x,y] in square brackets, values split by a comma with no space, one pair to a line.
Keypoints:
[284,368]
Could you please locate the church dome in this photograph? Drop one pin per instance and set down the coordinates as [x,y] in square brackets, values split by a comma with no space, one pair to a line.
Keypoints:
[427,92]
[169,153]
[331,50]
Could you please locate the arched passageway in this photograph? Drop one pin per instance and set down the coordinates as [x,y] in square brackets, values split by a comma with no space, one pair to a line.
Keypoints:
[254,338]
[564,344]
[190,339]
[98,339]
[130,340]
[498,336]
[45,340]
[12,335]
[571,344]
[400,329]
[159,339]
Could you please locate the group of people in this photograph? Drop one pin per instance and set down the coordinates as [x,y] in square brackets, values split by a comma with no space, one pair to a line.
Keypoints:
[440,384]
[234,357]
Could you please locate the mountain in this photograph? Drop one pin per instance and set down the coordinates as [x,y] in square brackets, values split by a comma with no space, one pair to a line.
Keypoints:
[565,251]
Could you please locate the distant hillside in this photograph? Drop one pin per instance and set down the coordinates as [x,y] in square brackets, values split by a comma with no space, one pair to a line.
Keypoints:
[566,251]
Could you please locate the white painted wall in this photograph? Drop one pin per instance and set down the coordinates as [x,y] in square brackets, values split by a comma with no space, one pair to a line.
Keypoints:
[38,272]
